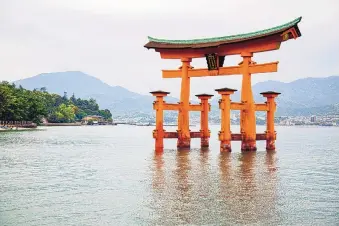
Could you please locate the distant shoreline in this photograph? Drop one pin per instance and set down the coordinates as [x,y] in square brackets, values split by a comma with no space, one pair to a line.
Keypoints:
[60,124]
[71,124]
[18,129]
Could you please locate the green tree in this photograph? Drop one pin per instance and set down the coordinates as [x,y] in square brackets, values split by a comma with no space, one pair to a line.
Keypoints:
[17,104]
[64,114]
[105,113]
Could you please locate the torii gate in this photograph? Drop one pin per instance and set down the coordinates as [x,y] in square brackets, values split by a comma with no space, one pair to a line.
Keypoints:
[215,50]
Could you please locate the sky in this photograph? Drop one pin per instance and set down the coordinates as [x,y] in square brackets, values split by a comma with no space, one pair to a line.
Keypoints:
[105,39]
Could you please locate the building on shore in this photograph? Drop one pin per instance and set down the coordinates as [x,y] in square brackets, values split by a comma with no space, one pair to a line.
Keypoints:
[93,119]
[313,118]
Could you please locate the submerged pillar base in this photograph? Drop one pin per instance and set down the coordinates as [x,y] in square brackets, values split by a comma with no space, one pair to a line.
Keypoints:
[184,143]
[225,146]
[270,145]
[205,142]
[159,149]
[248,146]
[159,145]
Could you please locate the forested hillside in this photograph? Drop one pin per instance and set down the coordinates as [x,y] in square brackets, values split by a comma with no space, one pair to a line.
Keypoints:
[19,104]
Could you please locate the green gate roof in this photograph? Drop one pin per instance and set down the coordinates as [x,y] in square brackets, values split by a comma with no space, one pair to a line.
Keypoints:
[214,41]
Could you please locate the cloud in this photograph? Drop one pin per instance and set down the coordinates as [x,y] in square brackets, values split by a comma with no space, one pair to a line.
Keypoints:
[105,38]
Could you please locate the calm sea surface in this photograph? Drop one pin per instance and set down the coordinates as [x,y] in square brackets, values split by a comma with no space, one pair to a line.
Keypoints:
[109,175]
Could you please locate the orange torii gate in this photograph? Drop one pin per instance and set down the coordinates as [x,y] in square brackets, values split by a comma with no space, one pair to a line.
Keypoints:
[215,50]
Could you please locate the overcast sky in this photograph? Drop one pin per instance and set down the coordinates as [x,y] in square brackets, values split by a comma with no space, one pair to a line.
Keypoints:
[105,38]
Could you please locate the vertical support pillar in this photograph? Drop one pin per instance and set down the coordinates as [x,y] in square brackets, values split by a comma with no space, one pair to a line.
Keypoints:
[204,130]
[270,132]
[158,106]
[225,135]
[184,139]
[247,115]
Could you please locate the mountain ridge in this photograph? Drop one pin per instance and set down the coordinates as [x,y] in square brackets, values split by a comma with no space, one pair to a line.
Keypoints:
[115,98]
[298,97]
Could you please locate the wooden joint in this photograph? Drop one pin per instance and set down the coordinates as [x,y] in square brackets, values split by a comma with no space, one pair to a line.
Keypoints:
[186,59]
[221,135]
[155,134]
[270,134]
[204,133]
[286,35]
[157,105]
[246,54]
[213,72]
[221,104]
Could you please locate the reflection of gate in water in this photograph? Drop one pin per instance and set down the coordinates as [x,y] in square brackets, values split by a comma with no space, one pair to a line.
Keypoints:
[190,189]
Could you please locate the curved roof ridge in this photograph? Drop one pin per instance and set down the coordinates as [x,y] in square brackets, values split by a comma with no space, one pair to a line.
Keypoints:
[229,37]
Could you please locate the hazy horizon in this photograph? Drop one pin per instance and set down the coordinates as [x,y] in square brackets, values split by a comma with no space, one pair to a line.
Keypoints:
[269,80]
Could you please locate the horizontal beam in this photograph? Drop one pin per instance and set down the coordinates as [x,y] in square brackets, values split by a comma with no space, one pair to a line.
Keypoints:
[240,106]
[261,107]
[234,136]
[239,137]
[232,70]
[264,68]
[170,135]
[201,72]
[237,106]
[260,136]
[176,107]
[195,107]
[195,134]
[171,107]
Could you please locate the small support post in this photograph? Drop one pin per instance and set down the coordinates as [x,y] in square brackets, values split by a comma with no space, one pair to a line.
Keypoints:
[158,106]
[225,107]
[270,132]
[204,130]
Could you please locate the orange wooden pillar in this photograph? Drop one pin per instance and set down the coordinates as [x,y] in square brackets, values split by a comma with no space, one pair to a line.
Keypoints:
[158,106]
[225,108]
[204,130]
[270,132]
[184,139]
[247,115]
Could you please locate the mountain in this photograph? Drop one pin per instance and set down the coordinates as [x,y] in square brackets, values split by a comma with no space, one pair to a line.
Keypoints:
[116,98]
[301,97]
[77,82]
